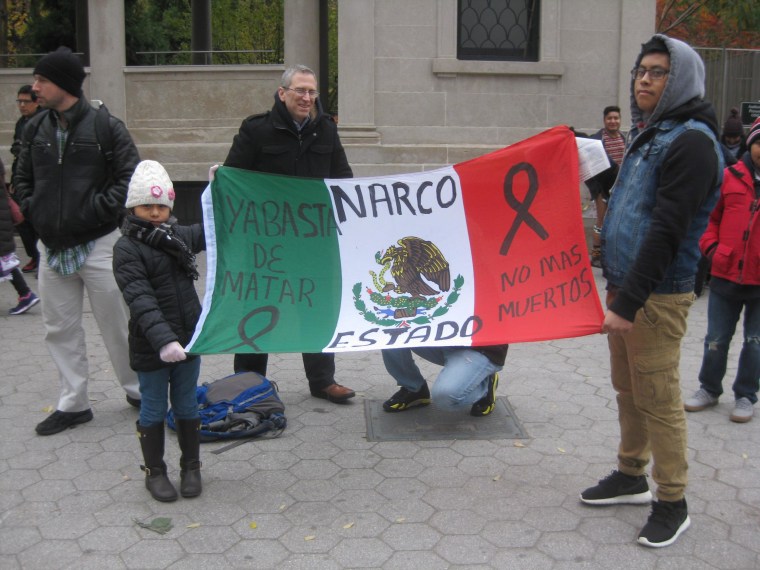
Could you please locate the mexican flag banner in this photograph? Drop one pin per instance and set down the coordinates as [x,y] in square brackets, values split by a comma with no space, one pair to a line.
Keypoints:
[484,252]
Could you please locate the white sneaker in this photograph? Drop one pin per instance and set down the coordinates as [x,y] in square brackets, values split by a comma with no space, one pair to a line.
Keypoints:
[699,401]
[743,411]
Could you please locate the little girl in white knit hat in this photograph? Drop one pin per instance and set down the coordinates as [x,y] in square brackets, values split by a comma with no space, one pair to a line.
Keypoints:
[154,265]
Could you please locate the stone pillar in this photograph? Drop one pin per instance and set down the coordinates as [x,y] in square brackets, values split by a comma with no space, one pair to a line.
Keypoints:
[356,71]
[302,34]
[637,25]
[108,55]
[200,38]
[550,31]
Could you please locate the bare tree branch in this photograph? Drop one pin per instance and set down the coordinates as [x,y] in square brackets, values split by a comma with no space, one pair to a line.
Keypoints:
[685,15]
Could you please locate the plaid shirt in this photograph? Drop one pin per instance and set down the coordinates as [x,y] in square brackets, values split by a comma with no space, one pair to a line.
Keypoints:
[66,262]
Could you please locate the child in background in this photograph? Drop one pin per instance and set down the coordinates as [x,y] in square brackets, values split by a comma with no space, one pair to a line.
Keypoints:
[9,262]
[733,134]
[154,265]
[732,243]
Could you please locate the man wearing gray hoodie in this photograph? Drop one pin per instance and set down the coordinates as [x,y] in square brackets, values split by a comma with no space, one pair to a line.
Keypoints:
[668,184]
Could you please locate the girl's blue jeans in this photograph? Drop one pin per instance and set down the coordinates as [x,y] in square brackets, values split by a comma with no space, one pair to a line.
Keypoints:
[722,316]
[179,380]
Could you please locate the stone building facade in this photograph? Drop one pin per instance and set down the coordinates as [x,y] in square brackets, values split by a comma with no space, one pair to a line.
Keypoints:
[406,102]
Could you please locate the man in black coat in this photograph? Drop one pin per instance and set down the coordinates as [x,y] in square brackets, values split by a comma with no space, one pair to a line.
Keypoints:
[26,99]
[295,138]
[74,196]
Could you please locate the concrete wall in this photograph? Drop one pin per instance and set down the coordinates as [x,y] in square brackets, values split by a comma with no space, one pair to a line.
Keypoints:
[425,108]
[186,119]
[406,102]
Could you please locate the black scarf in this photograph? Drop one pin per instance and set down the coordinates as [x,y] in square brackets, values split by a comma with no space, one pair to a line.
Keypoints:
[162,237]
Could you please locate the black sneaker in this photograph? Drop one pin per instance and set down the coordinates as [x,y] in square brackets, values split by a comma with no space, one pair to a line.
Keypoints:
[618,488]
[487,403]
[59,421]
[405,399]
[666,523]
[134,402]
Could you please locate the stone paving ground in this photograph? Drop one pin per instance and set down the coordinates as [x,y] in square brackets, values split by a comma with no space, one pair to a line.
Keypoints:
[322,496]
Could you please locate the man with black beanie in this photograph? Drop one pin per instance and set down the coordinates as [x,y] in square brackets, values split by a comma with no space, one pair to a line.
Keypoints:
[74,195]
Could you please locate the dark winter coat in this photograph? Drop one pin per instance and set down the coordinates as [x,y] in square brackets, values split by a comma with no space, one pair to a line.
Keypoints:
[270,143]
[7,241]
[163,304]
[76,197]
[18,131]
[732,238]
[496,353]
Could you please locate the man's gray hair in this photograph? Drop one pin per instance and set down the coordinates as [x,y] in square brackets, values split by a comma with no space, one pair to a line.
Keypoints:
[287,76]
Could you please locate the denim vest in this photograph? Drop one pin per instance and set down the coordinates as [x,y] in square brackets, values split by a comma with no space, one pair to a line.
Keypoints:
[629,213]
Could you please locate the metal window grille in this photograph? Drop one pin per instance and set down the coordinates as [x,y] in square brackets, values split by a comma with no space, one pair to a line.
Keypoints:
[731,77]
[504,30]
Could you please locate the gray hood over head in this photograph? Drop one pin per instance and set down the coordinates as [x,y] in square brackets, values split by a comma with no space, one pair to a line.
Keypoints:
[686,80]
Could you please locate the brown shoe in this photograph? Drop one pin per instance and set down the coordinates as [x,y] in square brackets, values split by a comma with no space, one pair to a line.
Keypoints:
[334,393]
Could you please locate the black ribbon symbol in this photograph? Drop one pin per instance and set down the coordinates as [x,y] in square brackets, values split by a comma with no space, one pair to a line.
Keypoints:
[274,317]
[523,215]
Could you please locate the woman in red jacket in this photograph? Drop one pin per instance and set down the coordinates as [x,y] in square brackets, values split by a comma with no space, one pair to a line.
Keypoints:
[732,242]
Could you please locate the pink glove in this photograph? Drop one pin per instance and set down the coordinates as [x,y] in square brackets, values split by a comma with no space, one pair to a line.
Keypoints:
[212,172]
[172,352]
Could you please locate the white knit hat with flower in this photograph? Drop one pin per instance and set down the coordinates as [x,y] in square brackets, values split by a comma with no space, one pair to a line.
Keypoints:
[150,184]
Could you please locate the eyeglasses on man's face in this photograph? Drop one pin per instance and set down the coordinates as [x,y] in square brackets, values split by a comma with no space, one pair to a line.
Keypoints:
[655,73]
[301,92]
[24,101]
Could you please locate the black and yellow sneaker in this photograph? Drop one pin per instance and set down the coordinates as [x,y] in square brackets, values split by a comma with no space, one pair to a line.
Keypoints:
[405,399]
[487,403]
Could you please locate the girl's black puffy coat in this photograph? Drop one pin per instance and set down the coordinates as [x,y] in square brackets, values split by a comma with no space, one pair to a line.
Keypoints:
[163,304]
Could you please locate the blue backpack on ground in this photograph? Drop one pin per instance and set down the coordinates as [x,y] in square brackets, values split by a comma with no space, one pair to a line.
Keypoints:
[244,405]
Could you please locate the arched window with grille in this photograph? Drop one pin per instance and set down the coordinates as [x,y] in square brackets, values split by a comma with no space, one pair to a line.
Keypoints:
[503,30]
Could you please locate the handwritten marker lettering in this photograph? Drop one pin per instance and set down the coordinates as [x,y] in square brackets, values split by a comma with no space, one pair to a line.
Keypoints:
[274,317]
[523,216]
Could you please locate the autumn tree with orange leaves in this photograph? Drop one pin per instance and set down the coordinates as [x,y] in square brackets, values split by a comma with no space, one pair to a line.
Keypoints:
[711,23]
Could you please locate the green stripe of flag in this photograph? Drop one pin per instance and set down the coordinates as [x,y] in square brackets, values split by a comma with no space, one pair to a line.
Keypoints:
[278,274]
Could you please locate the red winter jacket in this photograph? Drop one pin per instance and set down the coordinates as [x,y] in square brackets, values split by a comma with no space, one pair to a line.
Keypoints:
[732,238]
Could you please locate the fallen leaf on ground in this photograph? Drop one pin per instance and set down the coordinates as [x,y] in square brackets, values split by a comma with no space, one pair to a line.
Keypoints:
[161,525]
[310,537]
[519,444]
[348,525]
[253,525]
[193,525]
[48,409]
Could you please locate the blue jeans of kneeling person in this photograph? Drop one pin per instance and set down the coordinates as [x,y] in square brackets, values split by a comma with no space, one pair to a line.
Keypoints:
[462,382]
[722,315]
[178,380]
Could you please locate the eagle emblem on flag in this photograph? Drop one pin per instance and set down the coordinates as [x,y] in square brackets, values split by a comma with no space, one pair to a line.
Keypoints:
[415,265]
